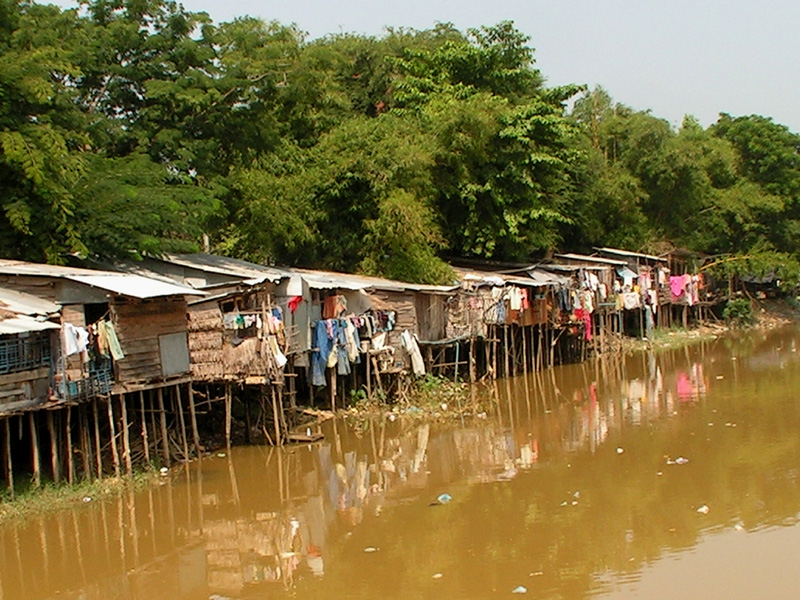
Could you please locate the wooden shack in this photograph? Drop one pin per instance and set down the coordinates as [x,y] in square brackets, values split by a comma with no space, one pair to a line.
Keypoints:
[147,317]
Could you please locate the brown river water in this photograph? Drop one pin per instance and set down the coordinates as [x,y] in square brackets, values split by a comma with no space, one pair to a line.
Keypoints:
[673,474]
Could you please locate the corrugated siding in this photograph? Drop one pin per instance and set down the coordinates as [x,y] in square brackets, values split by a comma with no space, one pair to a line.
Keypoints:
[138,324]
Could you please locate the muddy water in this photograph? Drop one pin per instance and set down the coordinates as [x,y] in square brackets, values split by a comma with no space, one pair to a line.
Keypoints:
[665,475]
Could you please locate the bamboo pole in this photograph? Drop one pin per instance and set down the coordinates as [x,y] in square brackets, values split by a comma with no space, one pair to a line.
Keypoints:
[145,441]
[228,416]
[163,420]
[113,434]
[276,422]
[9,460]
[181,421]
[86,447]
[98,456]
[193,415]
[54,458]
[126,438]
[68,436]
[37,461]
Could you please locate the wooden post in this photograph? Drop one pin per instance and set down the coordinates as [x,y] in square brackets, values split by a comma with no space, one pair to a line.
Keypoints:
[193,414]
[126,437]
[9,461]
[86,447]
[98,452]
[275,417]
[54,458]
[70,457]
[145,441]
[113,434]
[37,461]
[332,388]
[181,421]
[163,419]
[228,416]
[506,363]
[369,375]
[472,360]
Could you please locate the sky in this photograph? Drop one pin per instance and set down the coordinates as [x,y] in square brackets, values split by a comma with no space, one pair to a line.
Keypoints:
[673,57]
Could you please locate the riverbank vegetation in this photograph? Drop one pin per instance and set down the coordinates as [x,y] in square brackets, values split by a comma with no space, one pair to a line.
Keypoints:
[128,128]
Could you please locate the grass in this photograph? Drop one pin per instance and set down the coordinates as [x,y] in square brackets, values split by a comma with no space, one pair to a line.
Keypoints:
[51,497]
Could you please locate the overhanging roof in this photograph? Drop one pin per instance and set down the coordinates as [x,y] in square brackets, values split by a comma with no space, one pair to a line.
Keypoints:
[629,254]
[591,259]
[126,284]
[23,324]
[26,304]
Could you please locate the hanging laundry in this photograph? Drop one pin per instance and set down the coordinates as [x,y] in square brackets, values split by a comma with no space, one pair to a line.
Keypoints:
[76,339]
[113,341]
[294,303]
[514,298]
[676,285]
[409,342]
[323,344]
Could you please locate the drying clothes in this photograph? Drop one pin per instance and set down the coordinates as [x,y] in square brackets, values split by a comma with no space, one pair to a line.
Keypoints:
[602,291]
[333,307]
[323,344]
[409,342]
[587,301]
[113,340]
[76,339]
[280,358]
[294,303]
[514,298]
[631,301]
[342,360]
[353,342]
[526,304]
[676,285]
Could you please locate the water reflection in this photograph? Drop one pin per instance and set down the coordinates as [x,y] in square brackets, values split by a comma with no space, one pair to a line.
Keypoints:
[570,488]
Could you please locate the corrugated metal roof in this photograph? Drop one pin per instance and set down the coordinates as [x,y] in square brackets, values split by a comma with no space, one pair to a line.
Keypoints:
[224,265]
[326,280]
[23,323]
[617,252]
[591,259]
[500,279]
[135,286]
[26,304]
[126,284]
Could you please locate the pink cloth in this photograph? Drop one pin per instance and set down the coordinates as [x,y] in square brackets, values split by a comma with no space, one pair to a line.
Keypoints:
[677,284]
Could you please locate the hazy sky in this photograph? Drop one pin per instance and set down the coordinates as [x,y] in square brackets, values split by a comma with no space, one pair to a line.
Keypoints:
[675,57]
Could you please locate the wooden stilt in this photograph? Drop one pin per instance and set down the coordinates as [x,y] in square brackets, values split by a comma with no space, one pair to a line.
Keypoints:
[228,407]
[86,447]
[248,425]
[126,437]
[332,389]
[369,363]
[113,434]
[145,441]
[276,418]
[98,455]
[54,457]
[472,366]
[163,420]
[181,422]
[9,460]
[37,461]
[506,362]
[193,414]
[68,437]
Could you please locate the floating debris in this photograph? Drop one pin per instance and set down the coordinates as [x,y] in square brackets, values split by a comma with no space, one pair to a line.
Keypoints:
[437,575]
[620,450]
[703,510]
[370,549]
[520,589]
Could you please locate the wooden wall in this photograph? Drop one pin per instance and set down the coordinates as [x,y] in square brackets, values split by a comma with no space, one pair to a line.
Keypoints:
[139,323]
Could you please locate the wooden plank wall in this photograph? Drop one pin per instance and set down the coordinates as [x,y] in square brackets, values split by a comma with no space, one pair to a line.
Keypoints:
[404,305]
[138,324]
